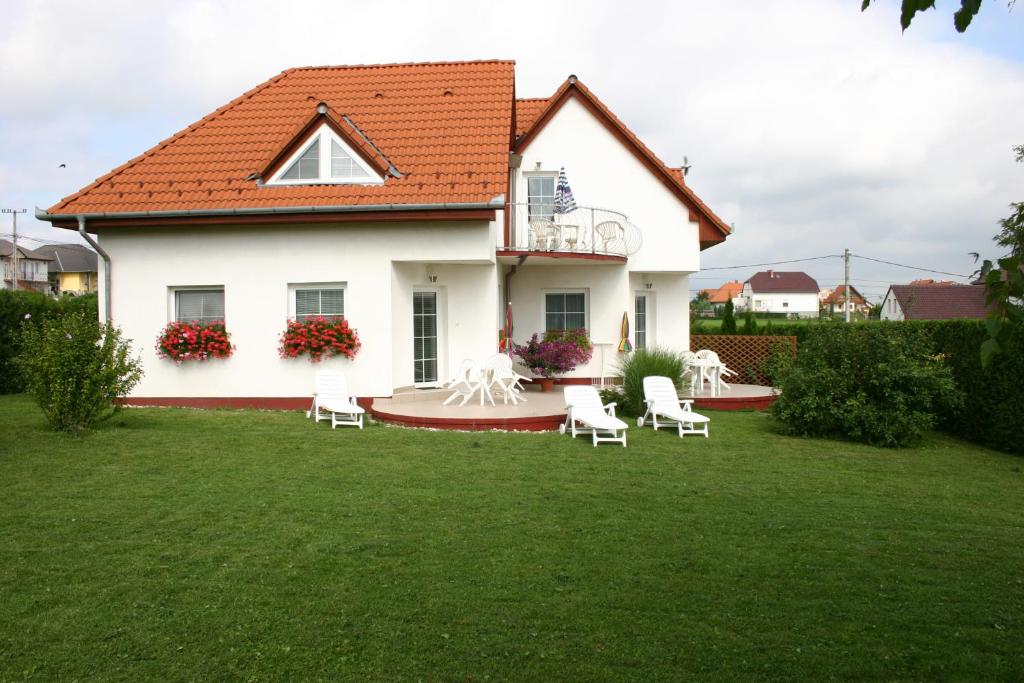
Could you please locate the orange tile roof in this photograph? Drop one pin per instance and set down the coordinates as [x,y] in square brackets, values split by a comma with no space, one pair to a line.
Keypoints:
[444,126]
[729,290]
[527,111]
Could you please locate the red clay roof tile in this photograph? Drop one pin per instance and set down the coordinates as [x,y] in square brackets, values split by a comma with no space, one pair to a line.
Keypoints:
[941,302]
[788,282]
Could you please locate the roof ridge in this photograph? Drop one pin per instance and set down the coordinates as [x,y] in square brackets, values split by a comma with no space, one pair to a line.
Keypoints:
[386,65]
[173,138]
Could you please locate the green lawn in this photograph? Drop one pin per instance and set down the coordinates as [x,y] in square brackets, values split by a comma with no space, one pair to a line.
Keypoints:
[185,545]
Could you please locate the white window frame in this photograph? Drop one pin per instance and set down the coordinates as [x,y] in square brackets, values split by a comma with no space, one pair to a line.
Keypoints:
[544,305]
[649,316]
[441,302]
[172,298]
[323,136]
[554,190]
[294,287]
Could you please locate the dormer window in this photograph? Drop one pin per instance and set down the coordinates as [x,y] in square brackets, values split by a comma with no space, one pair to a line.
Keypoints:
[325,159]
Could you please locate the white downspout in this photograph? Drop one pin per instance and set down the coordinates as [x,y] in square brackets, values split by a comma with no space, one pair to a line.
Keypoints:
[106,266]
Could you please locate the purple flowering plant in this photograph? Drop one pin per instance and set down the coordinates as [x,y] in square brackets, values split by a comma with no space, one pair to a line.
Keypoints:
[557,353]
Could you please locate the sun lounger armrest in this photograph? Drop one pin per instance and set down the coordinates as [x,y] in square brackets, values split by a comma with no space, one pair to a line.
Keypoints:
[610,408]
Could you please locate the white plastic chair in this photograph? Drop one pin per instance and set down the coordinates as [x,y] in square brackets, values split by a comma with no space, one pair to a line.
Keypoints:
[467,382]
[723,371]
[609,232]
[498,372]
[545,234]
[332,398]
[696,377]
[663,401]
[583,406]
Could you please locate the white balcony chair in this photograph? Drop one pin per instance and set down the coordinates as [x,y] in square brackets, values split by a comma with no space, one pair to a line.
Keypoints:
[545,234]
[583,406]
[663,401]
[498,372]
[608,233]
[467,382]
[332,398]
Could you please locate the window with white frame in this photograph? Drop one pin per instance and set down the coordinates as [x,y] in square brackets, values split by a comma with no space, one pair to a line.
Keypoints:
[325,158]
[324,301]
[199,305]
[541,196]
[565,310]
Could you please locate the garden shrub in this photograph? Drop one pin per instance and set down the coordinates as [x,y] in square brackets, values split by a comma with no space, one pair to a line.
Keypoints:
[646,363]
[728,319]
[881,385]
[14,307]
[75,368]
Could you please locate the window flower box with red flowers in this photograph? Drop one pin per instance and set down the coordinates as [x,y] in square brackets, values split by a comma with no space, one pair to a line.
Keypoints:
[186,341]
[319,337]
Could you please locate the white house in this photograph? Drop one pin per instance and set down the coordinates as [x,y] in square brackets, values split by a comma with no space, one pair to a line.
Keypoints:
[792,293]
[419,201]
[32,268]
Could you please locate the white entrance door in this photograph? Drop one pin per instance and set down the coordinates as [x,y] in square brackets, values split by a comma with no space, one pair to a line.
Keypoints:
[642,309]
[424,337]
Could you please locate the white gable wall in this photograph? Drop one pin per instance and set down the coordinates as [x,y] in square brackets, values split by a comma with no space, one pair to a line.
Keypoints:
[603,173]
[891,309]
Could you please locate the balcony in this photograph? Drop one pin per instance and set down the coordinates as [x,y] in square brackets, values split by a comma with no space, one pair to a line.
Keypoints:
[583,234]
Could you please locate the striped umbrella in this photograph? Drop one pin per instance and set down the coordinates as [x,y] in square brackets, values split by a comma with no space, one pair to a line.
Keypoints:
[624,345]
[564,201]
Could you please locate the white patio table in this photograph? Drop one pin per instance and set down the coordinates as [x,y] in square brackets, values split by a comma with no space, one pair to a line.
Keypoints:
[710,369]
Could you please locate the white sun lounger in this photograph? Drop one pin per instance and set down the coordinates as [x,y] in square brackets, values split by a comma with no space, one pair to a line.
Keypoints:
[583,406]
[663,402]
[331,398]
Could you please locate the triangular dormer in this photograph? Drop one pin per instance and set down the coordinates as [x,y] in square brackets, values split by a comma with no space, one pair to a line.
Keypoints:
[328,149]
[323,157]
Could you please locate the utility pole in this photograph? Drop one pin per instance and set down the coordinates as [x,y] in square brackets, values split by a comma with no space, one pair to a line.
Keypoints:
[14,245]
[846,285]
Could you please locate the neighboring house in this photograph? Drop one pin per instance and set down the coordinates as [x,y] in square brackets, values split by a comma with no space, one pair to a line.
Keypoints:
[792,293]
[33,268]
[836,301]
[417,200]
[73,268]
[934,302]
[730,291]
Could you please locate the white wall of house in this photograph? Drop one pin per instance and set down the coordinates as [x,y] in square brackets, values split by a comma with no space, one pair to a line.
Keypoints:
[255,266]
[804,305]
[603,173]
[891,308]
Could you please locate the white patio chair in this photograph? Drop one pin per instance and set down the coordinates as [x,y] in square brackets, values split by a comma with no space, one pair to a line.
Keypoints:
[610,232]
[583,406]
[332,398]
[723,370]
[706,374]
[545,234]
[663,401]
[498,372]
[467,382]
[696,377]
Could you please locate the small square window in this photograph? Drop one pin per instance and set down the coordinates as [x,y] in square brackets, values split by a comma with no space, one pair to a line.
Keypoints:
[565,311]
[198,305]
[324,302]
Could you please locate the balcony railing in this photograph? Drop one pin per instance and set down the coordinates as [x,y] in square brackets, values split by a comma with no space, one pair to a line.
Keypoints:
[584,230]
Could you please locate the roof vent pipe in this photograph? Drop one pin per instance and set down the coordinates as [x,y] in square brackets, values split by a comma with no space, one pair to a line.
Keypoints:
[106,266]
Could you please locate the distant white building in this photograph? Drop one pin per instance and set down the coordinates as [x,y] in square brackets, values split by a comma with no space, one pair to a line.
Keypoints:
[33,268]
[792,293]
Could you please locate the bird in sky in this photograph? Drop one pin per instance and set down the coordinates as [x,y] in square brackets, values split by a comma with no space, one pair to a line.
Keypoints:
[63,166]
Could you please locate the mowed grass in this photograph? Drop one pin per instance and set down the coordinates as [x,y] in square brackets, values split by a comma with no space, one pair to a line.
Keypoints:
[221,545]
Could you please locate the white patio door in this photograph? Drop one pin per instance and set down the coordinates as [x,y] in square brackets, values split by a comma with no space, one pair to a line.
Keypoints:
[424,337]
[642,310]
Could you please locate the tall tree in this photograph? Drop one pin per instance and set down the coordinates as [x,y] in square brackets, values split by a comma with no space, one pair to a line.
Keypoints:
[961,18]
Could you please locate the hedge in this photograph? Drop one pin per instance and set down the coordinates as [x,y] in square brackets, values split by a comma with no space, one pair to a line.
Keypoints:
[992,408]
[14,306]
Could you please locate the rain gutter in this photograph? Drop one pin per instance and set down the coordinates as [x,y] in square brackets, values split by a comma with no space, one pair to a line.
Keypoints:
[106,264]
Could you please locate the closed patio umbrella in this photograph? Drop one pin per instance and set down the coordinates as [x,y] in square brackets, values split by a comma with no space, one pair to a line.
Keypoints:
[508,328]
[624,345]
[564,201]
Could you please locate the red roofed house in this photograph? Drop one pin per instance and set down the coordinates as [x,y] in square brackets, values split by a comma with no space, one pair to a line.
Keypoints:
[934,301]
[415,200]
[730,291]
[836,300]
[772,291]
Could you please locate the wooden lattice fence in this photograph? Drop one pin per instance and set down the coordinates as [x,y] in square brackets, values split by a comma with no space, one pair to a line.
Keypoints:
[743,353]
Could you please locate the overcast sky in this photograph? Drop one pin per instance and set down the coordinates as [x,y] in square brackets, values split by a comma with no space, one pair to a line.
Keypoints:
[810,125]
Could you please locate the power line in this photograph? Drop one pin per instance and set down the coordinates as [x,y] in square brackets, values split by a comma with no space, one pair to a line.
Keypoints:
[902,265]
[775,263]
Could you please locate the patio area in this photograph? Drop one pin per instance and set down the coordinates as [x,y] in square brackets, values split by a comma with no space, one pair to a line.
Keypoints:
[540,412]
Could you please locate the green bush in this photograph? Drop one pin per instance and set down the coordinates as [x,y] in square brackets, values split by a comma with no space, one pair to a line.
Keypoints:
[645,363]
[728,319]
[74,367]
[881,385]
[14,307]
[749,323]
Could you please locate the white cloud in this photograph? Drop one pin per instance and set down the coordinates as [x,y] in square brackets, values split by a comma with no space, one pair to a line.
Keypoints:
[810,124]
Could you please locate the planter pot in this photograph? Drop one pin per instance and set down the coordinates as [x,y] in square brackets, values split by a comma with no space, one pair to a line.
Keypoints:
[546,385]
